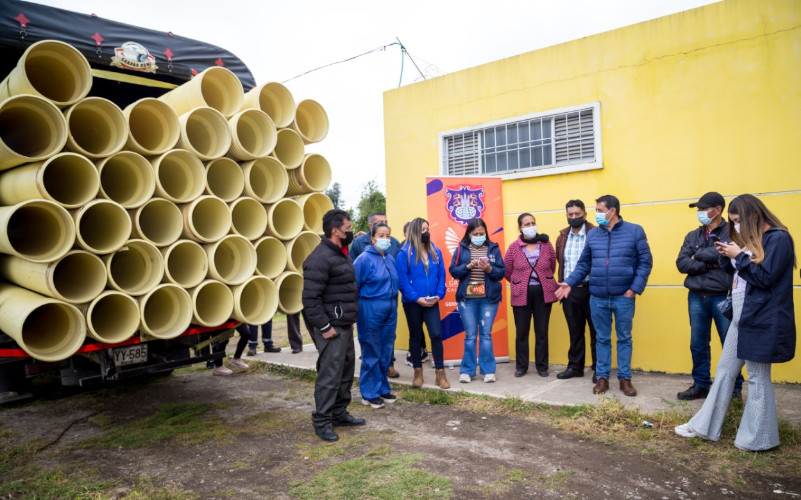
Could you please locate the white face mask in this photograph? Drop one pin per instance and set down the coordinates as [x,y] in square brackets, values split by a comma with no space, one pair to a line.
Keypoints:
[737,227]
[530,232]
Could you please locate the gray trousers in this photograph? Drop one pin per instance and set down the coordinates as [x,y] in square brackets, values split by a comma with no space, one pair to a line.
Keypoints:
[336,361]
[759,427]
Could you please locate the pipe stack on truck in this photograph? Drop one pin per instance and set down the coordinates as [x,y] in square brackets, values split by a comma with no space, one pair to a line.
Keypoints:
[134,233]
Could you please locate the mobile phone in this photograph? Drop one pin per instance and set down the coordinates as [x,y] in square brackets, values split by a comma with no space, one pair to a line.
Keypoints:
[431,298]
[483,260]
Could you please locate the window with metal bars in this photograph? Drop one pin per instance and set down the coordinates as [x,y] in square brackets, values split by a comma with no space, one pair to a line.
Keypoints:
[547,140]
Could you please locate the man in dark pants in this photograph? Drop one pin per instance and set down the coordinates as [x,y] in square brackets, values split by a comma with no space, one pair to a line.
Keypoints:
[576,306]
[708,286]
[330,305]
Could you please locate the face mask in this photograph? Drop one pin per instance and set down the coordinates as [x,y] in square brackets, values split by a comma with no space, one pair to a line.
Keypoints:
[530,232]
[601,219]
[576,223]
[478,240]
[737,227]
[425,237]
[347,239]
[382,244]
[703,218]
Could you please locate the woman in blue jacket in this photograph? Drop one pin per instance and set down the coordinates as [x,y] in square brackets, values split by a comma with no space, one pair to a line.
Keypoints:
[762,257]
[377,282]
[478,265]
[422,285]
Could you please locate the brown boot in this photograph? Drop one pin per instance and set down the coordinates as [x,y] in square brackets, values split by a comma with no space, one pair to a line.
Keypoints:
[392,372]
[627,389]
[601,386]
[417,381]
[442,382]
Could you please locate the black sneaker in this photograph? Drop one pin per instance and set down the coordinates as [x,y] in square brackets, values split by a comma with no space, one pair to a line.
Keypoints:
[373,403]
[694,392]
[252,351]
[326,433]
[423,354]
[389,397]
[271,348]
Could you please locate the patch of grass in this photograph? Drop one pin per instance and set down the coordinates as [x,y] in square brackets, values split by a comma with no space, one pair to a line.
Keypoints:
[101,419]
[56,484]
[517,475]
[20,454]
[285,371]
[145,489]
[408,395]
[559,477]
[186,420]
[516,405]
[378,477]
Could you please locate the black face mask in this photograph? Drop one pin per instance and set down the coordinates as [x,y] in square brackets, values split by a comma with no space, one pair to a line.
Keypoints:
[425,237]
[347,239]
[576,223]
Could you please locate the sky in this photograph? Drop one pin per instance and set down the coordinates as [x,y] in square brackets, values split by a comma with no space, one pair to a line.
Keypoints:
[281,40]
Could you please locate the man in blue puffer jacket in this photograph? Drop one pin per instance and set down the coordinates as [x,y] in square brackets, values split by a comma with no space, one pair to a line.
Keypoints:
[618,259]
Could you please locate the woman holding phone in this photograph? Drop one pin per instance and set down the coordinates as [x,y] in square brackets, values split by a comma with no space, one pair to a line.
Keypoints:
[421,274]
[478,265]
[761,256]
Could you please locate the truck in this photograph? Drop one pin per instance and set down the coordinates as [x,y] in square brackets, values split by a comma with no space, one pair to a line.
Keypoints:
[127,63]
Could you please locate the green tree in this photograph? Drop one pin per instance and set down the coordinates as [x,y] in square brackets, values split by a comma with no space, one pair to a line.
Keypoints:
[372,200]
[335,193]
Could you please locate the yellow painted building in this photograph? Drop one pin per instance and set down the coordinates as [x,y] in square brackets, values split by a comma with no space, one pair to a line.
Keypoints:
[655,113]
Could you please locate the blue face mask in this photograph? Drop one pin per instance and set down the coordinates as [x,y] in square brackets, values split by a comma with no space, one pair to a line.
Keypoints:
[601,219]
[703,218]
[478,240]
[382,244]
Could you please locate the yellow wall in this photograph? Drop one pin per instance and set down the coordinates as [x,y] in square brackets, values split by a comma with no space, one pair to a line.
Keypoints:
[707,99]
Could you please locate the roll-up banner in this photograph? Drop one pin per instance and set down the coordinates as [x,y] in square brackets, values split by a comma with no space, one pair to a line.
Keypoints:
[451,203]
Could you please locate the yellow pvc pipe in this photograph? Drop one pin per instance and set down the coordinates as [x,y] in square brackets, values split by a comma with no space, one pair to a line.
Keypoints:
[313,176]
[37,230]
[205,133]
[298,248]
[165,311]
[215,87]
[126,178]
[153,127]
[232,259]
[275,100]
[185,263]
[206,219]
[284,219]
[112,317]
[271,257]
[158,221]
[266,179]
[212,303]
[248,217]
[290,291]
[50,69]
[101,226]
[136,268]
[31,129]
[47,329]
[68,179]
[77,277]
[289,148]
[224,179]
[97,128]
[255,300]
[314,206]
[180,176]
[311,121]
[253,135]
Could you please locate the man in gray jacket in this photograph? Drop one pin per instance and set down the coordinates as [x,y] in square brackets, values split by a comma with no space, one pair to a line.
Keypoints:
[708,286]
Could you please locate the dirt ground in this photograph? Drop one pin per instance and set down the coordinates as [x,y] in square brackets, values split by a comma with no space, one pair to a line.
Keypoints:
[258,443]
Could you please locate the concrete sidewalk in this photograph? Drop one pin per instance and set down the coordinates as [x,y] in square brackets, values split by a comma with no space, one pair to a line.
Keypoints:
[656,391]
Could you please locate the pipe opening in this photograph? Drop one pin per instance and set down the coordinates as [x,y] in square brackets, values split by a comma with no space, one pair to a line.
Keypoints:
[298,249]
[40,231]
[213,303]
[136,268]
[266,179]
[206,133]
[248,218]
[102,226]
[314,205]
[181,176]
[185,263]
[79,276]
[70,179]
[311,121]
[31,127]
[224,179]
[290,290]
[208,219]
[159,221]
[285,219]
[289,148]
[222,90]
[127,178]
[256,301]
[154,126]
[113,317]
[233,259]
[53,331]
[271,257]
[97,127]
[166,312]
[253,135]
[57,71]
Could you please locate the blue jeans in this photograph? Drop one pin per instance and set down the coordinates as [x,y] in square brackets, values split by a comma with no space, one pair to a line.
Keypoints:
[602,309]
[703,310]
[477,317]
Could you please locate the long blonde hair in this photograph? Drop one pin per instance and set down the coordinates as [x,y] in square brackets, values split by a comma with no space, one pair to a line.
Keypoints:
[416,243]
[754,215]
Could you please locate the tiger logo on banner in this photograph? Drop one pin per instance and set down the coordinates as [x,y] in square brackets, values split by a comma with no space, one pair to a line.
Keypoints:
[451,203]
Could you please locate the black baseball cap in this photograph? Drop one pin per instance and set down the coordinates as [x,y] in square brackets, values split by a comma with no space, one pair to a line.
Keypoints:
[709,200]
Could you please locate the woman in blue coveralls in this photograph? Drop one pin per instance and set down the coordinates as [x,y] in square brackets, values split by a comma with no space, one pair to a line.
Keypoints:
[421,271]
[377,282]
[478,265]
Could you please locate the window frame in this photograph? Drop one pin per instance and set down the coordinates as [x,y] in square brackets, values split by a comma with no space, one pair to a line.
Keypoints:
[579,166]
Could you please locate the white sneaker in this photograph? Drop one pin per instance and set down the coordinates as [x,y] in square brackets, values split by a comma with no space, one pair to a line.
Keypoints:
[238,363]
[684,430]
[464,378]
[489,378]
[221,370]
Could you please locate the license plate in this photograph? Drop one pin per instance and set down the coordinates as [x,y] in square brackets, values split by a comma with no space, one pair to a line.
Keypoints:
[130,355]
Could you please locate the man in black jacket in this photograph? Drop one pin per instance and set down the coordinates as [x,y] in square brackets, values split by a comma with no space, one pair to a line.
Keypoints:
[330,305]
[708,286]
